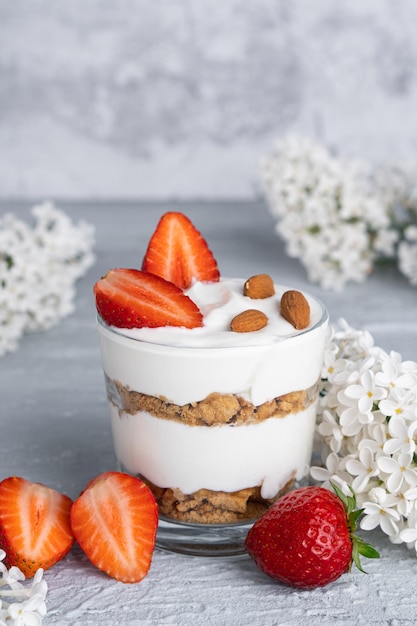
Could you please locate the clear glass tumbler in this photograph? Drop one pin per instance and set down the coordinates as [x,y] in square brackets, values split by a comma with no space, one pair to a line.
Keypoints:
[218,434]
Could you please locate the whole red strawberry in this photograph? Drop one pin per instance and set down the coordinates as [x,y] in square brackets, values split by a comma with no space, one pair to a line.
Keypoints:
[306,538]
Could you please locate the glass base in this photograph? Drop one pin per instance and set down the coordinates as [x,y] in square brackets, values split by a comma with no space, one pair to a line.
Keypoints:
[211,540]
[217,540]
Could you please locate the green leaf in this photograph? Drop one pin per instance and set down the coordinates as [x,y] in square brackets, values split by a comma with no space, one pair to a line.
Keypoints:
[366,550]
[356,557]
[7,259]
[340,494]
[359,546]
[353,518]
[351,507]
[348,501]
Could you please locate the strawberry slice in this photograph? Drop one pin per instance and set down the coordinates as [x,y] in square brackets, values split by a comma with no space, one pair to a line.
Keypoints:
[35,526]
[114,521]
[178,252]
[130,298]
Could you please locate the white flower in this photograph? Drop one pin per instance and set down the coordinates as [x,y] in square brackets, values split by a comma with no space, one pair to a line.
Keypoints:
[325,474]
[374,438]
[398,403]
[390,376]
[21,605]
[351,420]
[29,612]
[381,513]
[38,269]
[334,369]
[409,533]
[364,468]
[409,536]
[12,577]
[399,470]
[407,255]
[330,429]
[39,586]
[366,393]
[385,241]
[340,217]
[367,423]
[401,436]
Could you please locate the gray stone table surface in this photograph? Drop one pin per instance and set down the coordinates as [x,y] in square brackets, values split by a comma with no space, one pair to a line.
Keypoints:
[55,429]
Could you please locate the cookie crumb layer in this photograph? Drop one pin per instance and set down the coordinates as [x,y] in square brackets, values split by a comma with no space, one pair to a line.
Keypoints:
[216,409]
[213,507]
[206,506]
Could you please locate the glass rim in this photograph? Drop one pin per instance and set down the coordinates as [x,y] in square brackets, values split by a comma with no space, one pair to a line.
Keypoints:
[114,330]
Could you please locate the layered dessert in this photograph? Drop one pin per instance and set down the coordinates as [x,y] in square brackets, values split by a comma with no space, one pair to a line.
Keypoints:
[212,382]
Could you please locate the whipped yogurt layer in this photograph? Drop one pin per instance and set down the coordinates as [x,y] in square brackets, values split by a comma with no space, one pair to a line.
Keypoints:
[219,458]
[186,365]
[219,303]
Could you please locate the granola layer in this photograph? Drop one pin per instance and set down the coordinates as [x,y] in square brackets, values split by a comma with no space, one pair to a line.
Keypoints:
[216,409]
[206,506]
[213,507]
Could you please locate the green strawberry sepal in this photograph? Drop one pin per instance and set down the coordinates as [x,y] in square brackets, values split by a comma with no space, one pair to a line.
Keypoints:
[359,546]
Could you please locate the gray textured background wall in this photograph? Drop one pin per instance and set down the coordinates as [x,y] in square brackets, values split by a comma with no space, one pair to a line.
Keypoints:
[181,98]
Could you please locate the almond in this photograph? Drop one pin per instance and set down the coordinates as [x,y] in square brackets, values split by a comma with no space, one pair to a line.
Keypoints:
[295,309]
[248,321]
[259,286]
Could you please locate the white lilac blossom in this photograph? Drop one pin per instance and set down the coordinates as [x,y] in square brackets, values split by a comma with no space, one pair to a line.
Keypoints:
[21,605]
[340,217]
[367,431]
[407,254]
[39,266]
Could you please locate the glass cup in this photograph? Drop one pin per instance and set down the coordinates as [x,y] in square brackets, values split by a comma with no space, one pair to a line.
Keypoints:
[218,434]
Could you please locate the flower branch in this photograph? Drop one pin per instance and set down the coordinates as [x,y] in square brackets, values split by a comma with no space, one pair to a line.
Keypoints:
[367,430]
[21,605]
[39,266]
[341,218]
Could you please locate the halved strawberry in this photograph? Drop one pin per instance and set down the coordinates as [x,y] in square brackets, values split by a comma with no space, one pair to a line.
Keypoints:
[178,252]
[35,526]
[114,521]
[130,298]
